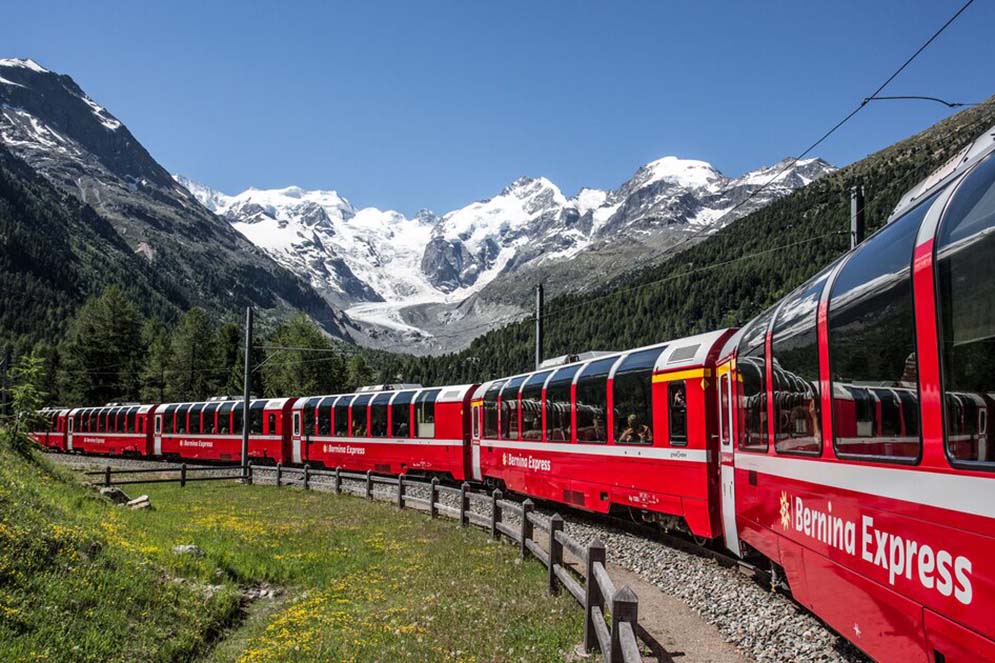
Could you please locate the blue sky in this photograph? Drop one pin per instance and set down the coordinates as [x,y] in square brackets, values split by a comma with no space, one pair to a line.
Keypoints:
[435,104]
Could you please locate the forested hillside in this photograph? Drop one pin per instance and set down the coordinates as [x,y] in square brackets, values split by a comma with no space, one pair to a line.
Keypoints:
[54,253]
[722,281]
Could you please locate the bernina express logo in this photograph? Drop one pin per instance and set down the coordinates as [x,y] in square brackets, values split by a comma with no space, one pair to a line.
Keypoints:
[899,556]
[785,511]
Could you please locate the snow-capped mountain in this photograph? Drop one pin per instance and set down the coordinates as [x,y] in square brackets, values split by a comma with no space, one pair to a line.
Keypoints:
[51,125]
[382,264]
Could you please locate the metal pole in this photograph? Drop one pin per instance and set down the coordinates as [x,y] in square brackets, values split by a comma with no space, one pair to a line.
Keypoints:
[248,391]
[539,336]
[858,227]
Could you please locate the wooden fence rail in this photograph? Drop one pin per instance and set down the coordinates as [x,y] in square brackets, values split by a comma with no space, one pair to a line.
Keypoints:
[593,588]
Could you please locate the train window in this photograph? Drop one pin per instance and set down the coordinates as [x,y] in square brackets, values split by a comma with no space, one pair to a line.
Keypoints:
[271,424]
[559,427]
[309,420]
[677,412]
[133,420]
[532,406]
[256,412]
[400,414]
[632,397]
[224,418]
[359,415]
[425,412]
[322,410]
[509,408]
[210,414]
[965,291]
[195,412]
[872,346]
[752,369]
[181,418]
[795,371]
[592,401]
[341,410]
[237,425]
[725,430]
[491,410]
[378,414]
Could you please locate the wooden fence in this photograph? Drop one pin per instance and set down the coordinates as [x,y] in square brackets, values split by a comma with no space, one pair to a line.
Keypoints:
[611,615]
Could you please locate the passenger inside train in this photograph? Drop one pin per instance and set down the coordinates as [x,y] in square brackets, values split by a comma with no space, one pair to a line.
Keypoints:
[635,432]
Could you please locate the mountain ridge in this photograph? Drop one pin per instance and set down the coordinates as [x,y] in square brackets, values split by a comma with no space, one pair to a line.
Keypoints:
[49,123]
[418,274]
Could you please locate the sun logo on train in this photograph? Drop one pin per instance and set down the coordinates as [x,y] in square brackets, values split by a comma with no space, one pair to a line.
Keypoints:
[785,510]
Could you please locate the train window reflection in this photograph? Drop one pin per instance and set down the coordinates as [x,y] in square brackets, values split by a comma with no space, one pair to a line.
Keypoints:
[872,346]
[558,407]
[751,366]
[966,292]
[509,408]
[592,401]
[532,406]
[425,412]
[378,415]
[400,414]
[632,397]
[795,371]
[491,411]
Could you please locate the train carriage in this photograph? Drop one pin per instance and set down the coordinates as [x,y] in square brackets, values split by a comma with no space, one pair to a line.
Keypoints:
[112,430]
[52,433]
[212,430]
[613,431]
[853,425]
[402,429]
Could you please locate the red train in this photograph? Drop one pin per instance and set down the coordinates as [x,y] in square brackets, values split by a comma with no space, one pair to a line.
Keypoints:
[843,435]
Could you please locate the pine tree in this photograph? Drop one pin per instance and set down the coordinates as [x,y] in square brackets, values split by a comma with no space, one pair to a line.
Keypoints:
[192,368]
[156,341]
[358,373]
[300,372]
[102,356]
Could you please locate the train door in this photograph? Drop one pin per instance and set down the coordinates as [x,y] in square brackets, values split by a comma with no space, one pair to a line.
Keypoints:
[69,432]
[157,439]
[727,457]
[475,440]
[298,456]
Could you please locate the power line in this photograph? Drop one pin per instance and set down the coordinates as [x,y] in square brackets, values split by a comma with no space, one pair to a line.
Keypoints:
[792,161]
[948,104]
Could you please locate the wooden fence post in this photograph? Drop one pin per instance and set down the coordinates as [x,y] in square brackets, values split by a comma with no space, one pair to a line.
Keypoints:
[555,551]
[307,476]
[249,470]
[592,595]
[107,477]
[625,608]
[527,507]
[495,514]
[369,485]
[183,475]
[338,480]
[279,474]
[400,491]
[433,496]
[464,504]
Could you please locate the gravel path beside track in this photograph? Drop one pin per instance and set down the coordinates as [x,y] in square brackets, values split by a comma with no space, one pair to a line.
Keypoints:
[763,625]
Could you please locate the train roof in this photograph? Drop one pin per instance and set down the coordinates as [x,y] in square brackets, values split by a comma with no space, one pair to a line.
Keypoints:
[679,353]
[447,393]
[980,148]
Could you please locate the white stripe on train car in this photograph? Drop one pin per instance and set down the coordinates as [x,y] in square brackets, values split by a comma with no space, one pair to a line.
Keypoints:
[653,453]
[955,492]
[426,442]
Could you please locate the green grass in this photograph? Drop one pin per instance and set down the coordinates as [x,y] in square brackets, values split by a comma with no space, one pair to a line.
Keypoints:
[83,580]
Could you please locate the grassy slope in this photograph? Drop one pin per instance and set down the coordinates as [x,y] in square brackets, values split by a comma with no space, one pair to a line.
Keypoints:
[83,580]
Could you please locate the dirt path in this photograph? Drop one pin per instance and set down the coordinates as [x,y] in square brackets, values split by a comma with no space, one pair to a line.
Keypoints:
[669,627]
